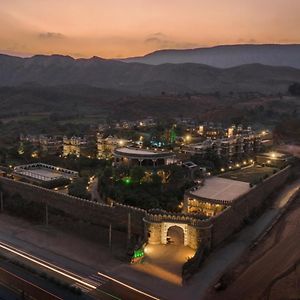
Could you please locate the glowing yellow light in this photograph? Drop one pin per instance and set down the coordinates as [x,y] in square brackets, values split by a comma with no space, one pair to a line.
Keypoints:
[34,155]
[222,170]
[121,142]
[237,165]
[188,138]
[273,155]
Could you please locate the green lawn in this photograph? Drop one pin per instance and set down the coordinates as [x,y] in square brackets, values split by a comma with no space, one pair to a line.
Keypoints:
[250,174]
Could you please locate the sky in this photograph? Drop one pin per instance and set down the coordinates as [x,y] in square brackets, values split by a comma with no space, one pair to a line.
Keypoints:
[123,28]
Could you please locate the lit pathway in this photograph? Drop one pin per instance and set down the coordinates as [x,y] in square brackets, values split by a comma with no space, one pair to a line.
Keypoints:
[94,191]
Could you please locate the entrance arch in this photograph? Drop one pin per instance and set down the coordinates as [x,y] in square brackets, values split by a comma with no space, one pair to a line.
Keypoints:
[175,235]
[179,232]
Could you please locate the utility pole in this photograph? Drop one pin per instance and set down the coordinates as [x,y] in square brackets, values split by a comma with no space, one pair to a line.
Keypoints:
[46,214]
[109,236]
[129,229]
[1,201]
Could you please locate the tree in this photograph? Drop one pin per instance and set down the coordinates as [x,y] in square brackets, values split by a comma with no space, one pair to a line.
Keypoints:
[78,188]
[137,173]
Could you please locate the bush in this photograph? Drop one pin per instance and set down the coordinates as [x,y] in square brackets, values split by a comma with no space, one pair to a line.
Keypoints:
[78,188]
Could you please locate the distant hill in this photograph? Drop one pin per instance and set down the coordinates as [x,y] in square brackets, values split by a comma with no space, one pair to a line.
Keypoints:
[227,56]
[142,78]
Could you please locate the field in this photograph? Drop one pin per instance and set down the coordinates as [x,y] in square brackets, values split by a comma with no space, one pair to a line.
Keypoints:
[249,174]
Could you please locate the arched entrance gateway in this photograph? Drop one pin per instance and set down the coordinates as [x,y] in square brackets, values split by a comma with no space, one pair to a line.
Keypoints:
[175,235]
[182,229]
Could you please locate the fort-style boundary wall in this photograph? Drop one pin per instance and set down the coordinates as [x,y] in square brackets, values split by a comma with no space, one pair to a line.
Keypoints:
[201,234]
[81,209]
[232,218]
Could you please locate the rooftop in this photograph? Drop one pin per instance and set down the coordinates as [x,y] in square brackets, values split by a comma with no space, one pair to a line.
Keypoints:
[135,152]
[275,155]
[44,172]
[220,189]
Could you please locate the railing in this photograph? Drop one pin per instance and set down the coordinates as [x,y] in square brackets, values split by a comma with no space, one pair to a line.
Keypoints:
[63,171]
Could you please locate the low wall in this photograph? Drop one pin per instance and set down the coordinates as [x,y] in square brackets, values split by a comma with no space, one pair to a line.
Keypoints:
[81,209]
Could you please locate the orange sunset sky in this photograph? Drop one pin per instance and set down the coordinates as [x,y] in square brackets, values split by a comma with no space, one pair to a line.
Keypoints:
[121,28]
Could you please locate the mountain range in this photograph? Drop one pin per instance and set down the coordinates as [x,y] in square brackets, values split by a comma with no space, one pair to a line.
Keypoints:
[248,75]
[227,56]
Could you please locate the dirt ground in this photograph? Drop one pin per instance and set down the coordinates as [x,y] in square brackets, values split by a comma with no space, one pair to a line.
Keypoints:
[272,270]
[65,244]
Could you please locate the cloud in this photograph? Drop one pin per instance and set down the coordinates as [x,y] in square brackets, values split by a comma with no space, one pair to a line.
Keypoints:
[162,41]
[51,35]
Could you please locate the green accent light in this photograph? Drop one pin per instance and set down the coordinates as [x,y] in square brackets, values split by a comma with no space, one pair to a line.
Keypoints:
[172,136]
[127,180]
[138,253]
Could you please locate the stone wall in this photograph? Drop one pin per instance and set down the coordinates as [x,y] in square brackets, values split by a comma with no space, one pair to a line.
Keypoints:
[210,232]
[81,209]
[232,218]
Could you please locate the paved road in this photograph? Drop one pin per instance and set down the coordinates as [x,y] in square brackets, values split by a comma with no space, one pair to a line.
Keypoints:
[6,294]
[96,285]
[221,259]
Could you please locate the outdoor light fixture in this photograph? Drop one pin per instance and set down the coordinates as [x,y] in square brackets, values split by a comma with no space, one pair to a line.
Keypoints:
[188,138]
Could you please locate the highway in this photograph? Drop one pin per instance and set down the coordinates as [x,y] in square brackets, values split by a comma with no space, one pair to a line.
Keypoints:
[97,286]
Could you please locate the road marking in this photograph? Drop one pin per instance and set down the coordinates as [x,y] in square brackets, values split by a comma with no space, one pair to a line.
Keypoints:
[98,279]
[127,286]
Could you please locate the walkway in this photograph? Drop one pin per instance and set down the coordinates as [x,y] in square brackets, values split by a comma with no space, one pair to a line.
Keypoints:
[93,187]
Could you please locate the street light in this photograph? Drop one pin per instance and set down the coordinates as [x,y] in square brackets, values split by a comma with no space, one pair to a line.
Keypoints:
[188,138]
